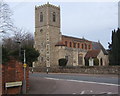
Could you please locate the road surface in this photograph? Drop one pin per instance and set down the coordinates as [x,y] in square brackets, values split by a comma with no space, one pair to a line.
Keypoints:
[42,83]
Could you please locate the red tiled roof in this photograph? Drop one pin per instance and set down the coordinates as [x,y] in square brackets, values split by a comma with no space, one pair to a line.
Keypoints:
[98,46]
[75,38]
[60,44]
[92,53]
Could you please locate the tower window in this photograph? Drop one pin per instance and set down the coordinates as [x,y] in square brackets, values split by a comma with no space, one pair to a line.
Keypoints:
[41,17]
[54,17]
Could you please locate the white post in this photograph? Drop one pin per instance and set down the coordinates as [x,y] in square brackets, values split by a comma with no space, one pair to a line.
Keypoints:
[24,81]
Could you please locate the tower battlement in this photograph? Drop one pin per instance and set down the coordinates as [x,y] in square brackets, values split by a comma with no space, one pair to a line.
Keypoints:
[47,5]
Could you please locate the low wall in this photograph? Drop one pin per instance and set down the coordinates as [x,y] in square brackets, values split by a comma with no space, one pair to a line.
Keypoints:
[12,71]
[83,70]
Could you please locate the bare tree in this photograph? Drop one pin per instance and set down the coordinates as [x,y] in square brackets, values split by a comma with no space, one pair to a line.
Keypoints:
[6,23]
[21,38]
[24,37]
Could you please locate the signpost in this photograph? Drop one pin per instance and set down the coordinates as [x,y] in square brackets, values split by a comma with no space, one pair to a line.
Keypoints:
[13,84]
[24,81]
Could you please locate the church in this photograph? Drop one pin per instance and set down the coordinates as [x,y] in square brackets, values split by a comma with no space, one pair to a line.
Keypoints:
[52,45]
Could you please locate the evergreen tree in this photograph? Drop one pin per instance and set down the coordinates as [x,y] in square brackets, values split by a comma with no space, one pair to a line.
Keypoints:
[115,52]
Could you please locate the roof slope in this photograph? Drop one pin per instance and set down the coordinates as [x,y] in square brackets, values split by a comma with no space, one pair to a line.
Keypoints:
[92,53]
[75,38]
[98,46]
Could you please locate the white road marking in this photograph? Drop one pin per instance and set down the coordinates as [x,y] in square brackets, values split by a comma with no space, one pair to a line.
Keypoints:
[73,93]
[82,92]
[84,81]
[109,93]
[91,91]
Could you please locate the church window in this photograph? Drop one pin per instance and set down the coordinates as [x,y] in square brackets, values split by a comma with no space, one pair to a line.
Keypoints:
[89,47]
[41,17]
[74,45]
[86,46]
[66,43]
[78,45]
[54,17]
[82,46]
[70,44]
[80,59]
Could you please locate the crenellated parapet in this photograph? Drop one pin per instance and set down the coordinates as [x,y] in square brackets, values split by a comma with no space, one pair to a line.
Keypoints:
[47,5]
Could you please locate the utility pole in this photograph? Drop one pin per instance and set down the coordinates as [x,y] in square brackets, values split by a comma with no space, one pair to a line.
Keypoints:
[24,81]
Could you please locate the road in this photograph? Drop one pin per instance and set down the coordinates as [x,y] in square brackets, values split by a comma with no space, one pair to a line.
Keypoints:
[42,83]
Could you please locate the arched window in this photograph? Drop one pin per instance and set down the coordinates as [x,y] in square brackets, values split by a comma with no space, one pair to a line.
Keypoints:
[82,46]
[65,43]
[89,47]
[86,46]
[41,17]
[70,44]
[54,17]
[74,45]
[78,45]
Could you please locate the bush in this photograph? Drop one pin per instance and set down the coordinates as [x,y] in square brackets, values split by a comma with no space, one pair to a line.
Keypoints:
[63,62]
[96,62]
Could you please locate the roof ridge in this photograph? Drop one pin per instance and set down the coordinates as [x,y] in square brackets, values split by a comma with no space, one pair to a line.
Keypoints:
[75,38]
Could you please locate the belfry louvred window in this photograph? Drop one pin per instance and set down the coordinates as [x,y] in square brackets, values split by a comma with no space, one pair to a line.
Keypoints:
[54,17]
[41,17]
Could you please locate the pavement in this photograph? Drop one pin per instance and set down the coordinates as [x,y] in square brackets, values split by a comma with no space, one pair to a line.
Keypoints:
[42,83]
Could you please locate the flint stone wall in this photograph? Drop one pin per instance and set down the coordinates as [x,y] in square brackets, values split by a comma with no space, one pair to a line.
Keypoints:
[83,70]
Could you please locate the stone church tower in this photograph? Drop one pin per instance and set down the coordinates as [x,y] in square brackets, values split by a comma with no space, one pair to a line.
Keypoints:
[47,33]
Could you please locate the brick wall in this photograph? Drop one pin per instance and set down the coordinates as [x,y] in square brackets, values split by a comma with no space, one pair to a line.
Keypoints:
[13,72]
[0,79]
[77,42]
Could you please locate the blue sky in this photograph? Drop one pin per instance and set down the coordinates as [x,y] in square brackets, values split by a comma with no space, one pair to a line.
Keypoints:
[91,20]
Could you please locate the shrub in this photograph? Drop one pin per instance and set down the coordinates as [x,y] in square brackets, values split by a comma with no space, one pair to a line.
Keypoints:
[96,62]
[63,62]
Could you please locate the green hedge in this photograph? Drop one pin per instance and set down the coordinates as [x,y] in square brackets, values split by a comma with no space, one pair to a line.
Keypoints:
[62,62]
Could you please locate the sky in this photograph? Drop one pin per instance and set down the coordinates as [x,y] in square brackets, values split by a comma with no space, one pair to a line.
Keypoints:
[92,20]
